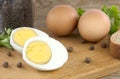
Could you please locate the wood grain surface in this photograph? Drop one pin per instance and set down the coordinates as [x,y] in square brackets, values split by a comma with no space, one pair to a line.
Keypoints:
[43,7]
[101,64]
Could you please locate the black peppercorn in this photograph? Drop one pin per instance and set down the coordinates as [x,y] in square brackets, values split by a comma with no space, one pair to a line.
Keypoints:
[9,54]
[92,47]
[5,64]
[83,41]
[87,60]
[19,65]
[104,45]
[69,49]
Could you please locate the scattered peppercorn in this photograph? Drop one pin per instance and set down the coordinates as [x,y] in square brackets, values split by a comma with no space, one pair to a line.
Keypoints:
[104,45]
[69,49]
[9,54]
[92,47]
[83,41]
[87,60]
[19,65]
[5,64]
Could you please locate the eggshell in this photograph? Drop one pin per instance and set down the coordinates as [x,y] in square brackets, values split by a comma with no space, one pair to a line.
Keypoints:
[62,20]
[94,25]
[19,48]
[58,51]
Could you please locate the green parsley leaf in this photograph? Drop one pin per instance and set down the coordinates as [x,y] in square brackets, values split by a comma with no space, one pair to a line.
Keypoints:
[80,11]
[5,38]
[114,15]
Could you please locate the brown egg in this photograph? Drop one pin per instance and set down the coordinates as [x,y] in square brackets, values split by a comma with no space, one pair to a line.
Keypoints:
[62,20]
[94,25]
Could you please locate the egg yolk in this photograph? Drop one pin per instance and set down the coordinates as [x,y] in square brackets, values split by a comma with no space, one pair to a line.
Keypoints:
[38,52]
[22,35]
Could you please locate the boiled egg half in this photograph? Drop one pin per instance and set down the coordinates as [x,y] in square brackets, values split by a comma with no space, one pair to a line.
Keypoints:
[44,53]
[20,35]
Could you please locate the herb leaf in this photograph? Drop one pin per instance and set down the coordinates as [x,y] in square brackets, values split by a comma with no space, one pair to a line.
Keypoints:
[114,15]
[8,31]
[80,11]
[5,38]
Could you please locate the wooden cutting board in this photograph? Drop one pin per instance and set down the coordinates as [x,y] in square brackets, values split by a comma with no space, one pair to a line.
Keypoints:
[102,63]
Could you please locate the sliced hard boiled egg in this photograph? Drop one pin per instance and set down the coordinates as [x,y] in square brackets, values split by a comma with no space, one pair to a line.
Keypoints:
[20,35]
[44,53]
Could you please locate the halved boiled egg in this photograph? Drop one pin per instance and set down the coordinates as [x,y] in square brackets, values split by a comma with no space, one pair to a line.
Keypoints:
[20,35]
[44,53]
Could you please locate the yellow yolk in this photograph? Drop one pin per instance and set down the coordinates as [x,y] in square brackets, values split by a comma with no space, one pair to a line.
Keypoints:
[22,35]
[38,52]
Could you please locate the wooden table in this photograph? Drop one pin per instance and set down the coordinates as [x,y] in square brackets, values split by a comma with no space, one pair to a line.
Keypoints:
[42,7]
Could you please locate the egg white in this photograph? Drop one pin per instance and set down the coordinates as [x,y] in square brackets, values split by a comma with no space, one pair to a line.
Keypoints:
[58,52]
[19,48]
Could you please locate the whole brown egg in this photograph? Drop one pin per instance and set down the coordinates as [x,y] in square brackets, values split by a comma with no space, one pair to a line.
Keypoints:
[94,25]
[62,20]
